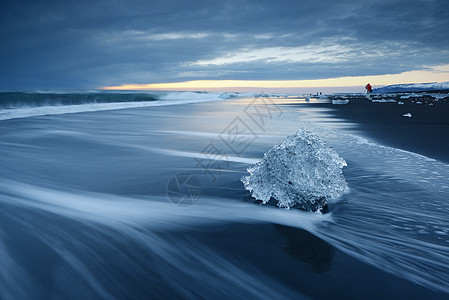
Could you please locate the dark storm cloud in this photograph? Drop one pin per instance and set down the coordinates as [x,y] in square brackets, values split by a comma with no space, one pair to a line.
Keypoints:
[88,44]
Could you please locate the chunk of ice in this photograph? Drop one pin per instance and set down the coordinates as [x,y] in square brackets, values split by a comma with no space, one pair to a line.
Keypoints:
[301,172]
[340,101]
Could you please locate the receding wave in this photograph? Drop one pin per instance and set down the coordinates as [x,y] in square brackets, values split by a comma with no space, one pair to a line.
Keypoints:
[112,222]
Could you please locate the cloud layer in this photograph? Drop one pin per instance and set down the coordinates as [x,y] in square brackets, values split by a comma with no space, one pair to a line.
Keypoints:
[89,44]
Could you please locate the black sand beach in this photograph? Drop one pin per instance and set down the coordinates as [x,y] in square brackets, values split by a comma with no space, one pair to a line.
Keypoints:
[426,132]
[85,207]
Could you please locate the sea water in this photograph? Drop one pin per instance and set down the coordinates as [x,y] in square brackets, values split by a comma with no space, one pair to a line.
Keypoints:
[102,204]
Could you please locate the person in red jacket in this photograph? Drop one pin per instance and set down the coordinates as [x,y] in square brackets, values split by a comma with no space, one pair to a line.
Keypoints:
[368,88]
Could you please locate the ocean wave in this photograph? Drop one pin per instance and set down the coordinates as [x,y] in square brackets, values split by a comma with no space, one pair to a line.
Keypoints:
[130,228]
[15,105]
[38,99]
[27,99]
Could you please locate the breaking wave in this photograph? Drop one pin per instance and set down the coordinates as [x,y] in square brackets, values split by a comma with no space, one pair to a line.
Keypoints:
[22,104]
[301,172]
[37,99]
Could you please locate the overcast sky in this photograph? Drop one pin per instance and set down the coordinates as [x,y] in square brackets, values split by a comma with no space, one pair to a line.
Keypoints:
[90,44]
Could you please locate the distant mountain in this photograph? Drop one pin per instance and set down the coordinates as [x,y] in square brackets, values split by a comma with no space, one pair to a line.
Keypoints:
[413,87]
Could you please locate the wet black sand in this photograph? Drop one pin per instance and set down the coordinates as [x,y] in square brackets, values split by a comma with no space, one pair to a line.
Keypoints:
[426,132]
[91,154]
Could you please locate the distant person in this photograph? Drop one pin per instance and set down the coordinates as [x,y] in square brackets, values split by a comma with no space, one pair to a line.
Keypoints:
[368,88]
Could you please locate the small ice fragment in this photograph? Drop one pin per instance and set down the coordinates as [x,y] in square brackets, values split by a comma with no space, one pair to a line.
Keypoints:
[407,115]
[228,95]
[400,102]
[340,101]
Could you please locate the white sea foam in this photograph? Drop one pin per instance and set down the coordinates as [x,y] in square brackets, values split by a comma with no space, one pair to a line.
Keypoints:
[168,98]
[110,220]
[200,155]
[156,212]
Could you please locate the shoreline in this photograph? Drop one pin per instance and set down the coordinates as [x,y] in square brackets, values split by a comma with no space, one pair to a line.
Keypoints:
[66,162]
[425,132]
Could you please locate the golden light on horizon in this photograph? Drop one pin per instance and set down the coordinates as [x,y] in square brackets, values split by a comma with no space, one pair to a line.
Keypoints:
[437,73]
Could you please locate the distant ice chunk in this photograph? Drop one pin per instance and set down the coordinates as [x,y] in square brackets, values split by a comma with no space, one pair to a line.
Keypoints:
[263,95]
[301,172]
[412,95]
[400,102]
[340,101]
[228,95]
[409,115]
